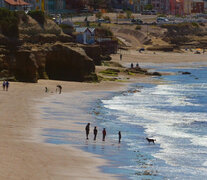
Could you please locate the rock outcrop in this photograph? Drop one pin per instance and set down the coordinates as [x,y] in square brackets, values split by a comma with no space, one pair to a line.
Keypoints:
[58,61]
[68,63]
[94,52]
[44,51]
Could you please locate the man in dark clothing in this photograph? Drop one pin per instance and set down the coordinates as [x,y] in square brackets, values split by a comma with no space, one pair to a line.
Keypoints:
[7,85]
[60,88]
[4,85]
[87,130]
[95,132]
[119,136]
[104,134]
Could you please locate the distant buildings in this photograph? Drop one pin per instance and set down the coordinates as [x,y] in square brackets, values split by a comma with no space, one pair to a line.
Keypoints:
[175,7]
[14,4]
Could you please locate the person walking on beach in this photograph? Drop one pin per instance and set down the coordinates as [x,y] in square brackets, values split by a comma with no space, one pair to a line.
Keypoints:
[87,130]
[95,132]
[104,134]
[46,89]
[4,85]
[119,136]
[120,57]
[132,65]
[7,85]
[60,88]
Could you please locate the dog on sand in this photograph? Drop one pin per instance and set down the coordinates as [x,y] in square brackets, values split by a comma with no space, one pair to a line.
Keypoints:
[150,140]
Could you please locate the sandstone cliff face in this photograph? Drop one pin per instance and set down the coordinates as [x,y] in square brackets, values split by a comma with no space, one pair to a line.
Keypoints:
[44,51]
[25,66]
[68,63]
[58,61]
[94,52]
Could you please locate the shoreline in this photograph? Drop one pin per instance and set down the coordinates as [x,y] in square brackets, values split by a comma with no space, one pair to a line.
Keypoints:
[26,158]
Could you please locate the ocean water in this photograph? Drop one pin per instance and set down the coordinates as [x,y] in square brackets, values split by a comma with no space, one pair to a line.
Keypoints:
[174,113]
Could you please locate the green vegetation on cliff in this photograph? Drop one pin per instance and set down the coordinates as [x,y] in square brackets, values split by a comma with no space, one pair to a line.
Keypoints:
[9,23]
[39,16]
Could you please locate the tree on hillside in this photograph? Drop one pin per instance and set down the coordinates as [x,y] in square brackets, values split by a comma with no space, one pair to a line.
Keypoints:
[97,4]
[9,23]
[148,7]
[75,4]
[128,14]
[98,15]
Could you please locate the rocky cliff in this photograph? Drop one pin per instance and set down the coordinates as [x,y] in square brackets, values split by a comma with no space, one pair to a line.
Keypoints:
[44,51]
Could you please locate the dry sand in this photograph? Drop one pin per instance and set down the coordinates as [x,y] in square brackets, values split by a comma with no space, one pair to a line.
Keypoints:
[160,57]
[23,156]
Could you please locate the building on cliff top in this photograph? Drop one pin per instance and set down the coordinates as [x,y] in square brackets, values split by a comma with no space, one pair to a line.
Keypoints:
[14,4]
[85,35]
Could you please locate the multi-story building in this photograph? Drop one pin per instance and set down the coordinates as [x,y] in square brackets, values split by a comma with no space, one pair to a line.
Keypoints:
[161,6]
[205,6]
[14,4]
[197,6]
[177,7]
[187,6]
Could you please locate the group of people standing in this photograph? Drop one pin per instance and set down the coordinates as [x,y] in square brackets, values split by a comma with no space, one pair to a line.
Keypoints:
[5,85]
[95,132]
[132,65]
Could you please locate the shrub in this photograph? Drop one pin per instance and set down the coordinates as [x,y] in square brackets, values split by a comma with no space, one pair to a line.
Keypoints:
[121,16]
[9,23]
[103,32]
[195,24]
[98,15]
[106,18]
[138,27]
[148,7]
[39,16]
[161,15]
[128,14]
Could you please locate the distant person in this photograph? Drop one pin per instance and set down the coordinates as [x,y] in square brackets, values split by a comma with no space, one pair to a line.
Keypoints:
[46,89]
[60,88]
[87,130]
[95,132]
[7,85]
[120,57]
[132,65]
[137,65]
[104,134]
[4,85]
[119,136]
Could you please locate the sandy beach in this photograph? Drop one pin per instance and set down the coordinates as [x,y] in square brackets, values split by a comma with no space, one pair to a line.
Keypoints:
[24,156]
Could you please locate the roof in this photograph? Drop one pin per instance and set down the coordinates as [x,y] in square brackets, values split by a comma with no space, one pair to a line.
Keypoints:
[92,29]
[83,29]
[16,2]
